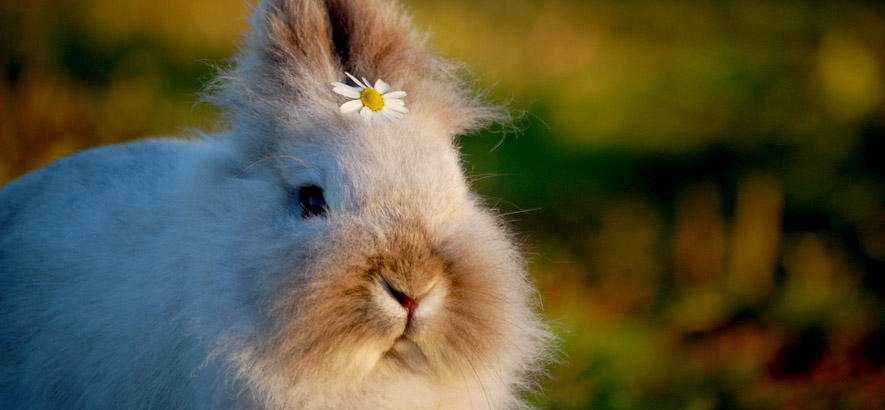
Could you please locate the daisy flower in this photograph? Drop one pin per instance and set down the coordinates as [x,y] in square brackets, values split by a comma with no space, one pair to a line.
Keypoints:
[371,102]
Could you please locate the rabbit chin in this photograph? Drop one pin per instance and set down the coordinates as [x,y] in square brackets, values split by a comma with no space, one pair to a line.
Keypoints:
[402,378]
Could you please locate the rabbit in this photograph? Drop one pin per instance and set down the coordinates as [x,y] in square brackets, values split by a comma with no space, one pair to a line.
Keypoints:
[323,251]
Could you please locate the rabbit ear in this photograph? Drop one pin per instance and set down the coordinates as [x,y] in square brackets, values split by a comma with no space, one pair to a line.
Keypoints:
[294,37]
[316,38]
[298,47]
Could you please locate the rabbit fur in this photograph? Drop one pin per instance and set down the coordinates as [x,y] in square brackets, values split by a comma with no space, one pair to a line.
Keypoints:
[181,273]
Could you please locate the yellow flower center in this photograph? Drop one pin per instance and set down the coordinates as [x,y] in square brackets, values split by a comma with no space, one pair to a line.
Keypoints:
[372,99]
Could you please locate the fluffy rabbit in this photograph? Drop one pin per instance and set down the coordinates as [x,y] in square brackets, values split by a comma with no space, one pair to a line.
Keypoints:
[322,253]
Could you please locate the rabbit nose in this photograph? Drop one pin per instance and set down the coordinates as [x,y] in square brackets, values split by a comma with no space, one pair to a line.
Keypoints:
[404,300]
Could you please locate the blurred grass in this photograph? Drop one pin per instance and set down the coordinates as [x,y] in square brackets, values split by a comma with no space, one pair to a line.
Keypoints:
[711,231]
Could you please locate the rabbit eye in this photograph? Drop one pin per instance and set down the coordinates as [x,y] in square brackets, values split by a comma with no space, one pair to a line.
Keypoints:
[312,202]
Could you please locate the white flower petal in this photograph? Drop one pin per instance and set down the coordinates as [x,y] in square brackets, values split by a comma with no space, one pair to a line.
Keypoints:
[347,91]
[399,108]
[381,86]
[366,82]
[351,106]
[366,113]
[387,115]
[395,94]
[379,117]
[390,113]
[361,85]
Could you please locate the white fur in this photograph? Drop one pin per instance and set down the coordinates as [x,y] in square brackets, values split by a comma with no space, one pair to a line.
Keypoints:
[176,274]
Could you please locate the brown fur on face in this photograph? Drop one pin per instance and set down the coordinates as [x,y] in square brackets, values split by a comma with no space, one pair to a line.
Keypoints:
[327,314]
[336,310]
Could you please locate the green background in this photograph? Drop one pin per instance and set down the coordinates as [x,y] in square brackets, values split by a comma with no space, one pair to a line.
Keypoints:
[699,183]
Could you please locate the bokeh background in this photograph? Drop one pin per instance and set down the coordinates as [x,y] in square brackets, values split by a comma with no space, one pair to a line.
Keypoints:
[700,183]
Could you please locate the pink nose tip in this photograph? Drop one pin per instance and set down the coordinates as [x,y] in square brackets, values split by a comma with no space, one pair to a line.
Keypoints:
[403,299]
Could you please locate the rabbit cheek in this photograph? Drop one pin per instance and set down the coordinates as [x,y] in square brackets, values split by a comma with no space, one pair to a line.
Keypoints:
[431,300]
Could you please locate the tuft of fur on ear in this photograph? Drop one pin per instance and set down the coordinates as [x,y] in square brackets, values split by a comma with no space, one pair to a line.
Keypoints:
[296,48]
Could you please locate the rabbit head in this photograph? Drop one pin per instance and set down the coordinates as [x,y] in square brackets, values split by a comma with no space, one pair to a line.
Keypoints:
[393,286]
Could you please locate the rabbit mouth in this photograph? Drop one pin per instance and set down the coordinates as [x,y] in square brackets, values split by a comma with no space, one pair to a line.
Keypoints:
[415,311]
[407,354]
